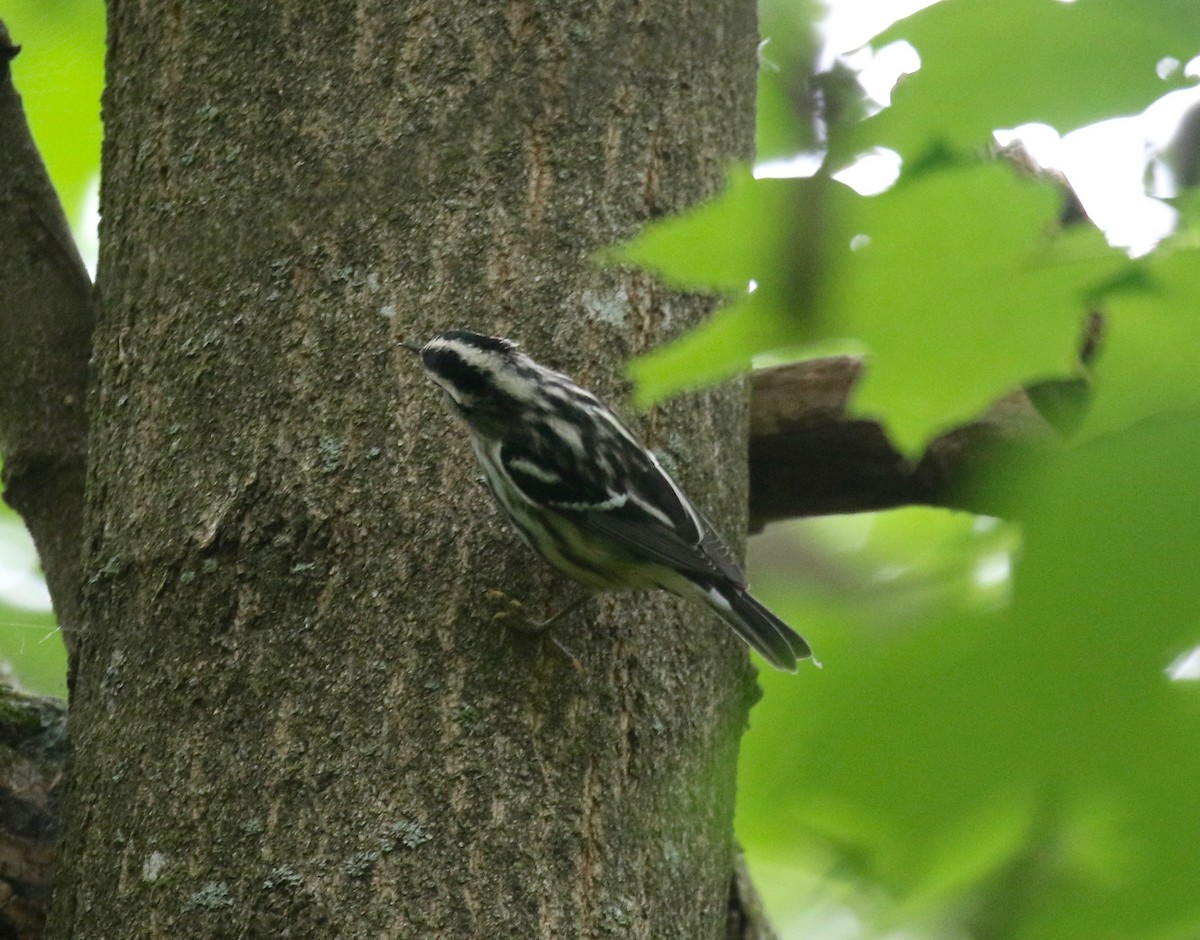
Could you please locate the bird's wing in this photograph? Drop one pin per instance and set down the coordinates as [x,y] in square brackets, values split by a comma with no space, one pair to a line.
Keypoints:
[621,493]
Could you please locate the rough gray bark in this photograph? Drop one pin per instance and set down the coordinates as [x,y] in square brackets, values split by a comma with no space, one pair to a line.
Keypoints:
[45,342]
[293,716]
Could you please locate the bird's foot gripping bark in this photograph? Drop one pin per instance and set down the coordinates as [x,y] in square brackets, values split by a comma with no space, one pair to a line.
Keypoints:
[512,614]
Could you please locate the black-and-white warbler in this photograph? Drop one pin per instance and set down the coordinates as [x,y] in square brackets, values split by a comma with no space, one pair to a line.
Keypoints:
[582,491]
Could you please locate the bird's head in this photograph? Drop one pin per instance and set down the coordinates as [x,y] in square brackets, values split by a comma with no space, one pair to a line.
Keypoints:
[475,371]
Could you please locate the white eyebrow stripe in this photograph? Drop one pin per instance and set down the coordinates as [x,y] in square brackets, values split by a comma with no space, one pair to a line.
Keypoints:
[490,362]
[478,358]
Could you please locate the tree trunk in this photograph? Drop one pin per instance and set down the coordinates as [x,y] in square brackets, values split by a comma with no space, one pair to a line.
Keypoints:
[293,715]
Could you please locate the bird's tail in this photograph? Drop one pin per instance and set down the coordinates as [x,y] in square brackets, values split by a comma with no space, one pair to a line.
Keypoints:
[778,643]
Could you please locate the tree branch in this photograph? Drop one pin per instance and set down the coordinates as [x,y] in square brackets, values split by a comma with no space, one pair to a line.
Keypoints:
[45,345]
[809,458]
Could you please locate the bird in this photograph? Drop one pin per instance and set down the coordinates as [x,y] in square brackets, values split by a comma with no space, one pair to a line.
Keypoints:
[585,494]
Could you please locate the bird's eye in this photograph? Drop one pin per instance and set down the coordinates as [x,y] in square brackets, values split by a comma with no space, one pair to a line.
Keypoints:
[460,378]
[439,361]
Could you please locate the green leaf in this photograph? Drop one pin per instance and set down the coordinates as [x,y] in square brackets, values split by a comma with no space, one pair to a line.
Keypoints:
[963,291]
[723,243]
[988,65]
[961,286]
[775,232]
[718,349]
[1148,362]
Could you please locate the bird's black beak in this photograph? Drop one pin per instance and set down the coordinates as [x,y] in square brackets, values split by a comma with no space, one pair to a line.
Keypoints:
[411,347]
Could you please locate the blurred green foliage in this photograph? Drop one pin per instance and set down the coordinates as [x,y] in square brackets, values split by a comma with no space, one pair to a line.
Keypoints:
[59,73]
[1020,769]
[31,648]
[786,119]
[963,256]
[956,280]
[988,65]
[981,755]
[1151,322]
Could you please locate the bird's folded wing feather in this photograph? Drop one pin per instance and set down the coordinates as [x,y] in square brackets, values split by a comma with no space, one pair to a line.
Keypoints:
[649,515]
